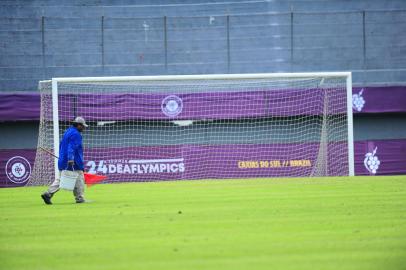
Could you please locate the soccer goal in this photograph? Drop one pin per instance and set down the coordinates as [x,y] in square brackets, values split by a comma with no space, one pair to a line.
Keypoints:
[150,128]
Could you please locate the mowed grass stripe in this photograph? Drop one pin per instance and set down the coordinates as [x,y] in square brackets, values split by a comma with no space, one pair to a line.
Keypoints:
[302,223]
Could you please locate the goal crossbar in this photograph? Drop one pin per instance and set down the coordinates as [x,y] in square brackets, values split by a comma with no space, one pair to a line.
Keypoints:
[202,77]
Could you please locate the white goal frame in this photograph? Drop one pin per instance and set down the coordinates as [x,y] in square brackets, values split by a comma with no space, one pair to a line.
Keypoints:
[347,75]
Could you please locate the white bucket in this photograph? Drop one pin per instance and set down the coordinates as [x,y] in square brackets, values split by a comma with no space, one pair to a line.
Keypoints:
[68,180]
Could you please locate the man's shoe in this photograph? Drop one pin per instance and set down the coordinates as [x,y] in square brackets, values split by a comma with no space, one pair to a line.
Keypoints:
[83,201]
[46,197]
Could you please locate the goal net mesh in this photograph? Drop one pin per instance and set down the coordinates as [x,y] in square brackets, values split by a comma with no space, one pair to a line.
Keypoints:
[201,129]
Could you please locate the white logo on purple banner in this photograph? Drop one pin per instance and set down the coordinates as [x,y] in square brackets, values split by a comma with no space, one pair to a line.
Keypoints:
[172,106]
[136,166]
[371,161]
[18,169]
[358,101]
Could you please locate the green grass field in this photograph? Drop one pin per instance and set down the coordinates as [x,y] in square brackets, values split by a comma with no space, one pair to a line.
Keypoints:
[320,223]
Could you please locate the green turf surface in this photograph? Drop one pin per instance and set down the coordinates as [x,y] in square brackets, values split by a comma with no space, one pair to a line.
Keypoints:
[320,223]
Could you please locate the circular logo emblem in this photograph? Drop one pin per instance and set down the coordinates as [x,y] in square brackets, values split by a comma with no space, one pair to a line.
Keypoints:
[172,106]
[18,169]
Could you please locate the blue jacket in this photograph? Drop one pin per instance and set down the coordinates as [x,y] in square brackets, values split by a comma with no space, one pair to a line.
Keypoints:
[70,148]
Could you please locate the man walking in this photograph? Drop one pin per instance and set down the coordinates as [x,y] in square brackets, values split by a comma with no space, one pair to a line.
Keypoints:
[70,159]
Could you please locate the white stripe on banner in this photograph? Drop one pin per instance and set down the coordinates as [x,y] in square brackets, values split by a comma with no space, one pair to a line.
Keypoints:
[156,160]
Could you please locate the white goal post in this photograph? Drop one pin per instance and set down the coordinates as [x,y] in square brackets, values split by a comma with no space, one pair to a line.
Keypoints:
[316,107]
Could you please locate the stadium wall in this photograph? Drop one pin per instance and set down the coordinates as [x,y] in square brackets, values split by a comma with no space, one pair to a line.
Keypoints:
[368,43]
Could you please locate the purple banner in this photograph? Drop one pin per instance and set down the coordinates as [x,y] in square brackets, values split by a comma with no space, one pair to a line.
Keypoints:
[209,105]
[379,157]
[16,167]
[203,161]
[389,99]
[197,106]
[19,106]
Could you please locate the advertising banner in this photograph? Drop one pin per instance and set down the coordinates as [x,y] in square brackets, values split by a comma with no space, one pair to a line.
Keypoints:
[186,162]
[26,106]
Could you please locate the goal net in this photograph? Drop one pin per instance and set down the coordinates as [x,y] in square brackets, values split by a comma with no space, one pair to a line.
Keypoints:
[152,128]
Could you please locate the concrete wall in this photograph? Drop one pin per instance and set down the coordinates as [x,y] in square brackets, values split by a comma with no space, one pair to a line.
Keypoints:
[155,8]
[45,39]
[23,135]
